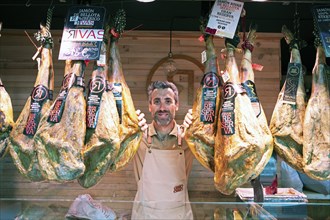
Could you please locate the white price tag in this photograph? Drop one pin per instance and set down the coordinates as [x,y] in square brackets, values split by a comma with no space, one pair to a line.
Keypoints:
[102,60]
[225,76]
[204,56]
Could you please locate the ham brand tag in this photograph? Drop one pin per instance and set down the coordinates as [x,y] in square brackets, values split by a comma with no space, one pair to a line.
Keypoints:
[210,84]
[38,95]
[96,87]
[251,91]
[56,112]
[117,93]
[291,83]
[227,115]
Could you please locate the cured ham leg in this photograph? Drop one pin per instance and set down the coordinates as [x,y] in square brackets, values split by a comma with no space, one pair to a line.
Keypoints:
[286,123]
[239,141]
[201,133]
[316,151]
[6,119]
[21,140]
[247,79]
[129,131]
[102,136]
[61,134]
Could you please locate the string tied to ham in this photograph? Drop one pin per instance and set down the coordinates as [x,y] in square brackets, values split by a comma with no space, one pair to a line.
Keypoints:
[294,44]
[246,45]
[117,25]
[316,33]
[44,36]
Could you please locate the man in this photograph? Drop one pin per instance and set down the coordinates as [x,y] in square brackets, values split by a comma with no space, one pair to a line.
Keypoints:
[162,163]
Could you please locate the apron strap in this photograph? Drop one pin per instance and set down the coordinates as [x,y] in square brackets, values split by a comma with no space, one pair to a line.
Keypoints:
[179,136]
[149,139]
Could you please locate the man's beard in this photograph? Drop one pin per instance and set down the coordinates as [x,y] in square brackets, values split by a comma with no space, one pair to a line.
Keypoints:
[163,121]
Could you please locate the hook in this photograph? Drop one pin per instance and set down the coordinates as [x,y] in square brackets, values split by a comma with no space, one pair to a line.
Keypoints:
[296,9]
[28,3]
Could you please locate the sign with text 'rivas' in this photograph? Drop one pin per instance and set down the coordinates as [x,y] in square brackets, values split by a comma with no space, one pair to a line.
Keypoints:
[83,33]
[224,18]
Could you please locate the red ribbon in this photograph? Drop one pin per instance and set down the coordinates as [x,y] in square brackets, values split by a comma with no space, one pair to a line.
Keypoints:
[114,33]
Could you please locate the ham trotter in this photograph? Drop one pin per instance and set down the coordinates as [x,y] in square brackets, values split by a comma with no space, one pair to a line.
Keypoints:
[102,136]
[6,119]
[129,132]
[201,133]
[316,151]
[286,123]
[61,134]
[22,143]
[239,140]
[247,79]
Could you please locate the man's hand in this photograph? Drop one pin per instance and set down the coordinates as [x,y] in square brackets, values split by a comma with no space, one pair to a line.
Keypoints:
[187,122]
[188,119]
[142,121]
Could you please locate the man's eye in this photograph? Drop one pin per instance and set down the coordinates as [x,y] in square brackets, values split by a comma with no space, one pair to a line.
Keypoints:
[156,102]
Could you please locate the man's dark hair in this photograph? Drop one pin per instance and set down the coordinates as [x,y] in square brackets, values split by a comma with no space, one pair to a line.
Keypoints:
[163,85]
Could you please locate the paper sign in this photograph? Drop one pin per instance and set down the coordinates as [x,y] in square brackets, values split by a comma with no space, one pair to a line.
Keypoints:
[83,33]
[224,18]
[322,17]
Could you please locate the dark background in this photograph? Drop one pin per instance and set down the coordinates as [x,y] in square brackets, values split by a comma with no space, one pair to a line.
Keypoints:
[180,15]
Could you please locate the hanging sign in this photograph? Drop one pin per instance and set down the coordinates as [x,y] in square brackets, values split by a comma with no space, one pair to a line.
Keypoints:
[224,18]
[322,18]
[83,33]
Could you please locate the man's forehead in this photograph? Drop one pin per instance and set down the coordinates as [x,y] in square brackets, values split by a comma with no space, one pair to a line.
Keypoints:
[157,93]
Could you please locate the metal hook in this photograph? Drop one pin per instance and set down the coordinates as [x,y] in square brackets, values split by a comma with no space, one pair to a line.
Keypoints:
[28,3]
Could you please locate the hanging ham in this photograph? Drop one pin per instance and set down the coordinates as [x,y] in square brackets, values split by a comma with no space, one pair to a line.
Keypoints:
[201,133]
[248,82]
[102,136]
[22,143]
[239,140]
[287,119]
[6,119]
[129,132]
[61,134]
[316,151]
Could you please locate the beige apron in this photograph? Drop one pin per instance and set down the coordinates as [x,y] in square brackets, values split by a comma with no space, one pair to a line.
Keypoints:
[162,189]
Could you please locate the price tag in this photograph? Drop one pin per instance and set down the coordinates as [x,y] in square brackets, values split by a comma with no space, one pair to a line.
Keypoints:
[204,56]
[224,18]
[225,76]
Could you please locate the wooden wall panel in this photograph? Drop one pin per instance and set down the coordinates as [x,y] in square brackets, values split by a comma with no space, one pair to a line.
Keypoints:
[140,51]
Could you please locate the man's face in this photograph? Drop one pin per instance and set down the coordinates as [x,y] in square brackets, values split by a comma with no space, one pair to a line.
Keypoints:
[163,106]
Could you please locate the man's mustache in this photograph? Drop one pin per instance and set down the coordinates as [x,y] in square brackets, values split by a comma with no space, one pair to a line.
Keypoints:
[162,111]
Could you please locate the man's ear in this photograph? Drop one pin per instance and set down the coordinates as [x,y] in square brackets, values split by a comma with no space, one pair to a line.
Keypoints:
[177,106]
[149,107]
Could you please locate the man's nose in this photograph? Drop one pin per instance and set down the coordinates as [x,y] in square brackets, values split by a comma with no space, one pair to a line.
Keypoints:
[162,106]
